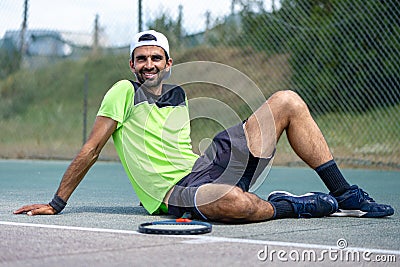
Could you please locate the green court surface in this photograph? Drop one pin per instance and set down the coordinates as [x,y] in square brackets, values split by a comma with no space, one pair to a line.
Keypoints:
[99,225]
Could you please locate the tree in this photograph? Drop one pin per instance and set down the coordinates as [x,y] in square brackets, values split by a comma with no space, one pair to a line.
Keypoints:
[349,61]
[172,29]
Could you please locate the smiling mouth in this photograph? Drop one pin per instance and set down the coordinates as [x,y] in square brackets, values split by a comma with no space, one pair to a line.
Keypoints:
[149,75]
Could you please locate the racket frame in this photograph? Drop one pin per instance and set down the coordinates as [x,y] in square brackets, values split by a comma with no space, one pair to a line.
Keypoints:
[203,228]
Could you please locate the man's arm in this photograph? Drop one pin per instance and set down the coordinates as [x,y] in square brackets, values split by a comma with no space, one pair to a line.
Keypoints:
[101,132]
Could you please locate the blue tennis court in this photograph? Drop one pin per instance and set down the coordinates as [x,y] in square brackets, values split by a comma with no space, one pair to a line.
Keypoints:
[99,225]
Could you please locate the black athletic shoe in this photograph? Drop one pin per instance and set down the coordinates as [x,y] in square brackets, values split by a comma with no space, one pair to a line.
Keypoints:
[357,203]
[310,205]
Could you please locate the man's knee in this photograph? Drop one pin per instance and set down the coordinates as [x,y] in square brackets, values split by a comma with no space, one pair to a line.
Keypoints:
[226,202]
[287,101]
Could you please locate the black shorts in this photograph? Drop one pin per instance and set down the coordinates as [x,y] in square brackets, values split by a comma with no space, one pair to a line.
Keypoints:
[226,161]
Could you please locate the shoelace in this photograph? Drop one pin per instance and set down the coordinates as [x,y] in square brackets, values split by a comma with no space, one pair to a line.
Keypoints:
[362,196]
[307,209]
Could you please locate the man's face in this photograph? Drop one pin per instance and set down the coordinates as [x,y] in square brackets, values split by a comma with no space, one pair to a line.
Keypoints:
[150,65]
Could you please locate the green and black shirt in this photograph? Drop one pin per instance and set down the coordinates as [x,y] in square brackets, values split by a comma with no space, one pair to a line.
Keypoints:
[152,138]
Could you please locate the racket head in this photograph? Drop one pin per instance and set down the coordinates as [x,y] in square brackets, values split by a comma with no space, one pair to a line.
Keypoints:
[175,227]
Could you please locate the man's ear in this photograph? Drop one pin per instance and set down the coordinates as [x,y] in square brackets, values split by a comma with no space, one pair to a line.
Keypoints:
[131,65]
[169,64]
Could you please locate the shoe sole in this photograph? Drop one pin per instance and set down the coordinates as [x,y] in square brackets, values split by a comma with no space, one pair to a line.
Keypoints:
[348,213]
[360,214]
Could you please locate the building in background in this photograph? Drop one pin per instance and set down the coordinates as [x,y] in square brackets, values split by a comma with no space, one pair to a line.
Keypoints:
[40,42]
[41,47]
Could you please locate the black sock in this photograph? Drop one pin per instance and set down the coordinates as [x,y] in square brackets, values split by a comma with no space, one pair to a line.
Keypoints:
[332,178]
[283,209]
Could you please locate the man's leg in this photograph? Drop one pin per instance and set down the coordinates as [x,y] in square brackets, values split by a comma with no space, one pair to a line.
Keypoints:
[288,112]
[227,203]
[284,111]
[230,204]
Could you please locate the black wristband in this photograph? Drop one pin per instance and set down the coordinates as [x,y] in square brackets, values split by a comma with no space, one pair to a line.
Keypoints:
[57,203]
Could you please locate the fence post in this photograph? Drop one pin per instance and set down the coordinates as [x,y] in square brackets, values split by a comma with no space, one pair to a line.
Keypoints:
[140,15]
[85,95]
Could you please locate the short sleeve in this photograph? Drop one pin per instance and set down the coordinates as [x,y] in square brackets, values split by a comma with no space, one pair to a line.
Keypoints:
[117,102]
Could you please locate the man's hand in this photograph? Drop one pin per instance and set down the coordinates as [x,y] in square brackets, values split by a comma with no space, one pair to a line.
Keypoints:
[36,209]
[102,130]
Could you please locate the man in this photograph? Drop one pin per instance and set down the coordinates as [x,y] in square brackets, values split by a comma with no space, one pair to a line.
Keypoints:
[148,121]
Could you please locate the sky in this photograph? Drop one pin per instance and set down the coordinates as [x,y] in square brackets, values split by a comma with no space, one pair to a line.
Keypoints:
[118,18]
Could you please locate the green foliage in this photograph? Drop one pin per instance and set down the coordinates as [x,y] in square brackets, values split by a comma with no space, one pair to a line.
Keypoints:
[10,58]
[349,62]
[265,32]
[61,84]
[171,28]
[344,53]
[14,97]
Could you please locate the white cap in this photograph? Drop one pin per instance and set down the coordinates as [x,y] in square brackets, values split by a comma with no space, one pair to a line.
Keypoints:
[150,37]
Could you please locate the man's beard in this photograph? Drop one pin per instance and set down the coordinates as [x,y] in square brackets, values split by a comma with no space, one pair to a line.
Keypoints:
[154,82]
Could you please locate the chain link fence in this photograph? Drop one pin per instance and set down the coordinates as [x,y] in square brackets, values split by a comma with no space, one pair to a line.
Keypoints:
[341,56]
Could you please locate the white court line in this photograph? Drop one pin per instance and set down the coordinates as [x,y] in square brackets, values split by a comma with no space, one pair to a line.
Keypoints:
[199,239]
[62,227]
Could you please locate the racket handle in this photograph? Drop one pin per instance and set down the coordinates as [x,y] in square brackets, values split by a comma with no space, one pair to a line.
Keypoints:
[181,220]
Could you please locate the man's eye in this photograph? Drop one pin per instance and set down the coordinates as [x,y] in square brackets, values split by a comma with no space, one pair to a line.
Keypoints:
[156,58]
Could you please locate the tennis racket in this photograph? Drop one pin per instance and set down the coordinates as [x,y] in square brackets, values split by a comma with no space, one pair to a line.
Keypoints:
[181,226]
